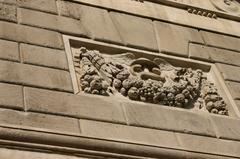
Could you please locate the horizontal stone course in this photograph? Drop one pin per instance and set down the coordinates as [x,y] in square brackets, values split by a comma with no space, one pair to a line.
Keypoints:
[79,106]
[9,50]
[96,21]
[174,39]
[229,72]
[128,134]
[12,72]
[222,41]
[39,122]
[8,12]
[43,56]
[52,22]
[160,117]
[227,127]
[11,96]
[26,34]
[135,31]
[208,145]
[20,154]
[42,5]
[201,52]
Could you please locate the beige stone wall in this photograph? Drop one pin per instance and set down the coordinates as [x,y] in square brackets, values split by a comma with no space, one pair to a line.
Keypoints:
[40,112]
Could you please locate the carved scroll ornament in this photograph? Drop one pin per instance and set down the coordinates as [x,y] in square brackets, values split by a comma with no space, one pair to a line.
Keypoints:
[154,81]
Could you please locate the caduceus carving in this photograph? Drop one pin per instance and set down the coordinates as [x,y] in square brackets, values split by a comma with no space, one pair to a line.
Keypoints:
[154,81]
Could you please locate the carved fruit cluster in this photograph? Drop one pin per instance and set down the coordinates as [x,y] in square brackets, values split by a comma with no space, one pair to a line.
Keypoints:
[213,102]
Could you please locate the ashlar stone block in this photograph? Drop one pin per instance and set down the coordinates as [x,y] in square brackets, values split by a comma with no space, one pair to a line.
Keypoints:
[96,21]
[135,31]
[9,50]
[174,39]
[42,56]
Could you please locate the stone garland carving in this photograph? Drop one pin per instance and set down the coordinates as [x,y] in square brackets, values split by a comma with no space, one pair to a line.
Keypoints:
[153,81]
[202,12]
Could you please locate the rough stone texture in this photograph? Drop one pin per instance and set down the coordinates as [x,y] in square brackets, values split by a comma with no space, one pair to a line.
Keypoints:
[229,72]
[11,96]
[209,145]
[9,50]
[202,52]
[135,31]
[174,39]
[21,154]
[30,35]
[97,21]
[43,56]
[9,1]
[35,76]
[39,122]
[42,5]
[128,134]
[227,128]
[222,41]
[238,104]
[234,88]
[52,22]
[160,117]
[8,12]
[89,107]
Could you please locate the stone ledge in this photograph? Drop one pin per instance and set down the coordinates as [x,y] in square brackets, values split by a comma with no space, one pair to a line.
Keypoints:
[74,144]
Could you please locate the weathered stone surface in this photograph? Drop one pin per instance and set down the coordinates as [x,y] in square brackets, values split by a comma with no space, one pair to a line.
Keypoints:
[135,31]
[20,154]
[80,106]
[227,128]
[8,12]
[42,5]
[158,117]
[97,21]
[234,88]
[222,41]
[12,72]
[21,33]
[202,52]
[43,56]
[9,50]
[117,132]
[238,104]
[11,96]
[229,72]
[53,22]
[199,52]
[209,145]
[9,1]
[174,39]
[39,122]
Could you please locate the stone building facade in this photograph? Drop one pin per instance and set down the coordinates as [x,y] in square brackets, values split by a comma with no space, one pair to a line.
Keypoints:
[129,79]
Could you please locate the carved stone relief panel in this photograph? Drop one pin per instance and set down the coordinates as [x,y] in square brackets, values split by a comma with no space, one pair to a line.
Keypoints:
[147,80]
